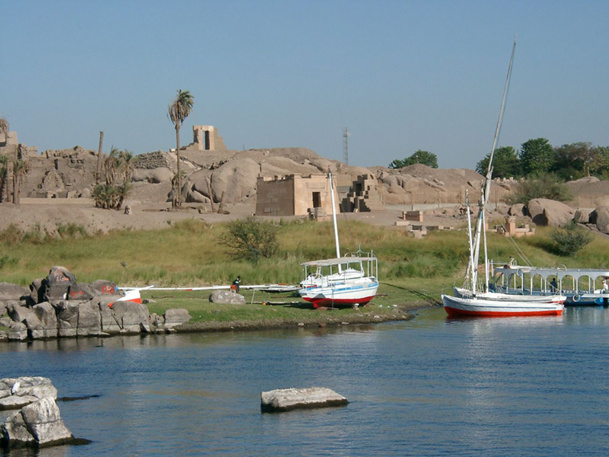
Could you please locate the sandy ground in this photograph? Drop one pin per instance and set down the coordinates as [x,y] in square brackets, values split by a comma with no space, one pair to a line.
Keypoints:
[148,211]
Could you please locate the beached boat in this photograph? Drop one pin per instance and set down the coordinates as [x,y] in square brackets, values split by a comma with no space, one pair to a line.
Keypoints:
[474,301]
[343,280]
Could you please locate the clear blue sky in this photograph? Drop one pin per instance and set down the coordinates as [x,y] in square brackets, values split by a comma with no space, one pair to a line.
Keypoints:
[401,75]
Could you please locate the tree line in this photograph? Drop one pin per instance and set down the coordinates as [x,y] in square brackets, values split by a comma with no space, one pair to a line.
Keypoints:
[535,157]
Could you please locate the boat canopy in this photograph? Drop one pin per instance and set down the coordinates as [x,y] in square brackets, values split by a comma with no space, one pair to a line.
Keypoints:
[524,277]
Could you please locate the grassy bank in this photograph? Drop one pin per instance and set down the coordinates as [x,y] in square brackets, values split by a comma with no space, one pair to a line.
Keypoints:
[412,272]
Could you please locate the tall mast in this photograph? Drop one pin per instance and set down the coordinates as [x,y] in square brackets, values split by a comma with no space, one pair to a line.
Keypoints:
[334,214]
[489,173]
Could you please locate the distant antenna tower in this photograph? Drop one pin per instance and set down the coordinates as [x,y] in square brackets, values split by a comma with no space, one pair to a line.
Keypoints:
[346,145]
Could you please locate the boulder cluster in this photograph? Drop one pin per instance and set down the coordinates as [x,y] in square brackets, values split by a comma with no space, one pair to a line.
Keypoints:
[59,306]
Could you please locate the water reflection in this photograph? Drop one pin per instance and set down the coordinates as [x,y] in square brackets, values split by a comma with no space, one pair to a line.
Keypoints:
[431,386]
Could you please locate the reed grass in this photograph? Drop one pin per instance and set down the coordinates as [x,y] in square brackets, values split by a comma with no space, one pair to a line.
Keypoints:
[188,254]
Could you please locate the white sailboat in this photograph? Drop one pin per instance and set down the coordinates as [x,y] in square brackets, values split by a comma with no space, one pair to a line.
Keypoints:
[341,281]
[484,303]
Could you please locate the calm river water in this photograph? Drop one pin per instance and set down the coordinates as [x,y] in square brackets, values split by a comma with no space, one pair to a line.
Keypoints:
[431,386]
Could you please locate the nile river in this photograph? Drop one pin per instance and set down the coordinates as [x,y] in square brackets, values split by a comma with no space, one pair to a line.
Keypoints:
[427,387]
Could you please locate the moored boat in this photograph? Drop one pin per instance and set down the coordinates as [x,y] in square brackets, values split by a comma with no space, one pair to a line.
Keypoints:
[474,300]
[487,307]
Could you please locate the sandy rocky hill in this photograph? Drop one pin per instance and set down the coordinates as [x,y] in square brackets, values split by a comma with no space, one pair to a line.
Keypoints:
[221,185]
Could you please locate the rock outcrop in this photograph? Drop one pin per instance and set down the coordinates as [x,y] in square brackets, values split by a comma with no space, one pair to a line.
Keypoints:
[226,297]
[58,306]
[600,218]
[549,212]
[280,400]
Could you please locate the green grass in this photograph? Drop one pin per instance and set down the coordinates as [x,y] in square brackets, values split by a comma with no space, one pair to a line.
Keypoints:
[412,271]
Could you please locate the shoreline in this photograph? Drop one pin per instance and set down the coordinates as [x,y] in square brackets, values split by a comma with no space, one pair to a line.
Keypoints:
[405,312]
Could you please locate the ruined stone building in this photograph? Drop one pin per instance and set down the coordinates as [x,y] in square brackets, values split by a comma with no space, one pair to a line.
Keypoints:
[9,146]
[294,195]
[363,196]
[206,138]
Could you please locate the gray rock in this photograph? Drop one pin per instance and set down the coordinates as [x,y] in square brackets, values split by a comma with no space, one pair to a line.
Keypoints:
[600,217]
[67,318]
[81,291]
[37,290]
[30,389]
[38,424]
[12,292]
[57,283]
[582,216]
[17,332]
[18,313]
[89,319]
[132,317]
[280,400]
[176,316]
[103,287]
[109,324]
[48,319]
[226,297]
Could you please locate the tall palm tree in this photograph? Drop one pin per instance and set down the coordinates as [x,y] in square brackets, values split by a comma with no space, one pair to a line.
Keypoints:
[4,127]
[4,166]
[20,169]
[178,111]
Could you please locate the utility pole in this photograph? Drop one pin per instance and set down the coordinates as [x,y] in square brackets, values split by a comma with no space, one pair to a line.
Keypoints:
[346,145]
[99,150]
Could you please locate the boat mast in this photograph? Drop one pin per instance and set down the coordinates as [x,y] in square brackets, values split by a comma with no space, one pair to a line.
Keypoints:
[470,270]
[334,216]
[489,174]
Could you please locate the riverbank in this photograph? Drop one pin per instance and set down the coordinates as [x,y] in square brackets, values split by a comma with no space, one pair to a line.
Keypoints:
[273,311]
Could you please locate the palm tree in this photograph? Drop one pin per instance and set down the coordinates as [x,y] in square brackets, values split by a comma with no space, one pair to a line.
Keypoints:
[4,127]
[20,169]
[178,111]
[127,165]
[4,165]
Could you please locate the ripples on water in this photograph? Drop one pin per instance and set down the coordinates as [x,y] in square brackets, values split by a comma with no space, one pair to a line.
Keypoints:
[431,386]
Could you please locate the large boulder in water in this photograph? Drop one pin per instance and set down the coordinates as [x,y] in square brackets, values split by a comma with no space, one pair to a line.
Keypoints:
[18,392]
[280,400]
[36,425]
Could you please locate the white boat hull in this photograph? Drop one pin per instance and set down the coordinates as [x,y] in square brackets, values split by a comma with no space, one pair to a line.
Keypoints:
[500,296]
[486,307]
[340,294]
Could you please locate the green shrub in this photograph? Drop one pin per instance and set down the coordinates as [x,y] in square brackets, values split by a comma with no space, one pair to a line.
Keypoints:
[542,186]
[570,239]
[250,239]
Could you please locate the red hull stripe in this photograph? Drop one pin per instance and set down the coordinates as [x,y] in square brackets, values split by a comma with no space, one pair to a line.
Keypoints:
[454,312]
[337,302]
